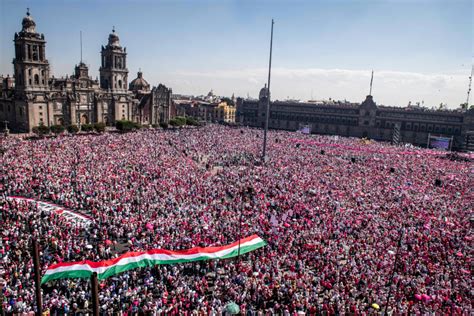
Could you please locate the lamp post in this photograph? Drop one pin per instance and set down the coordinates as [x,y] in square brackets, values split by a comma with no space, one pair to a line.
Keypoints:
[6,130]
[36,264]
[95,294]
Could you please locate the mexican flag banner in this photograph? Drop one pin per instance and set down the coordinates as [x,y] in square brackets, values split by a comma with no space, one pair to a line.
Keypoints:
[132,260]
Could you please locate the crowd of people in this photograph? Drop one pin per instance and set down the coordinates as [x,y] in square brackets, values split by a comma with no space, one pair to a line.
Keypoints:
[353,227]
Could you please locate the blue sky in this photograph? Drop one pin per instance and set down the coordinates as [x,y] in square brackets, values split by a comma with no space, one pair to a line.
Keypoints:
[420,50]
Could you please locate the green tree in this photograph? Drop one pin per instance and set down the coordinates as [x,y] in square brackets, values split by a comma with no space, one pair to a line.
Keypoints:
[57,129]
[72,129]
[174,122]
[126,126]
[87,127]
[41,130]
[191,121]
[181,120]
[99,127]
[178,121]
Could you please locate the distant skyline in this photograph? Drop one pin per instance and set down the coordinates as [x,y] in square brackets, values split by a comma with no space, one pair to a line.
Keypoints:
[419,50]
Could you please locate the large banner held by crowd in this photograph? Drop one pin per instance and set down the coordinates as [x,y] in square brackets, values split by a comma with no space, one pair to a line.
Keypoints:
[133,260]
[56,209]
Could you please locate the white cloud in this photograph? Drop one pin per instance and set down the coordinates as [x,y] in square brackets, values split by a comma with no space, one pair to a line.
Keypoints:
[389,88]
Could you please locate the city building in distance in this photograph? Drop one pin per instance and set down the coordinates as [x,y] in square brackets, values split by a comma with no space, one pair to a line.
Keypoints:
[209,108]
[33,97]
[408,125]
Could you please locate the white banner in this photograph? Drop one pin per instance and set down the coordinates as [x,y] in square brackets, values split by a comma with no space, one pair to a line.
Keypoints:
[56,209]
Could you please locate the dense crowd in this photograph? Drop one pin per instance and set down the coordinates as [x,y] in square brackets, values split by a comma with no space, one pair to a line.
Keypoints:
[349,223]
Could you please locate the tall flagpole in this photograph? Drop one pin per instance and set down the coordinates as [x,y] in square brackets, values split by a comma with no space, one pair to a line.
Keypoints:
[469,89]
[371,81]
[81,45]
[267,114]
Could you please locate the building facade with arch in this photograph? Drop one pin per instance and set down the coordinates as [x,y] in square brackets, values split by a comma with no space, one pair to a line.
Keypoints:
[367,119]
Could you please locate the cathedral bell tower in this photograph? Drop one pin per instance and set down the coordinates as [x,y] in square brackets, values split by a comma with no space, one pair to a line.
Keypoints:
[31,68]
[114,72]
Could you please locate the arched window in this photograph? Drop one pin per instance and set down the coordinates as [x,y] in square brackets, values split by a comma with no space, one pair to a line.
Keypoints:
[84,119]
[37,80]
[35,52]
[120,84]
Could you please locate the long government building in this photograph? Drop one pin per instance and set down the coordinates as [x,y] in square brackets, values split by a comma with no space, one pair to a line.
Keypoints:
[32,97]
[403,125]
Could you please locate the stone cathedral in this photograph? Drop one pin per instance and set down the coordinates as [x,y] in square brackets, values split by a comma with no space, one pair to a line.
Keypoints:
[33,97]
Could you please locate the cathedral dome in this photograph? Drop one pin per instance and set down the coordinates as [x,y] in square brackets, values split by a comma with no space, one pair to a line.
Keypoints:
[139,84]
[114,39]
[28,24]
[263,92]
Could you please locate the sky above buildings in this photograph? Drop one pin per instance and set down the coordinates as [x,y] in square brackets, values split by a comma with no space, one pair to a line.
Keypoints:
[420,51]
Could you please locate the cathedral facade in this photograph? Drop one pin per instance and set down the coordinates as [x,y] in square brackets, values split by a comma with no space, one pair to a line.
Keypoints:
[33,97]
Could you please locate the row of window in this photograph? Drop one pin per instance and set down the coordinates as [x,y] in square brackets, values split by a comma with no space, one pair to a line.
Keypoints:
[314,109]
[117,62]
[117,85]
[424,117]
[33,52]
[407,126]
[314,119]
[32,79]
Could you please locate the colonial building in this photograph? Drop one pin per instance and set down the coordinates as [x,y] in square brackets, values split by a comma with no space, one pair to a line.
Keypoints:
[210,112]
[367,119]
[224,112]
[34,97]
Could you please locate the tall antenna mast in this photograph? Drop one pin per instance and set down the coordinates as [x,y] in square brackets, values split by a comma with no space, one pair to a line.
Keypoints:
[371,81]
[469,89]
[267,114]
[81,45]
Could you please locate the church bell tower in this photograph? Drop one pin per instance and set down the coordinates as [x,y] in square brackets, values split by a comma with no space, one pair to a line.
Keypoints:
[31,68]
[113,71]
